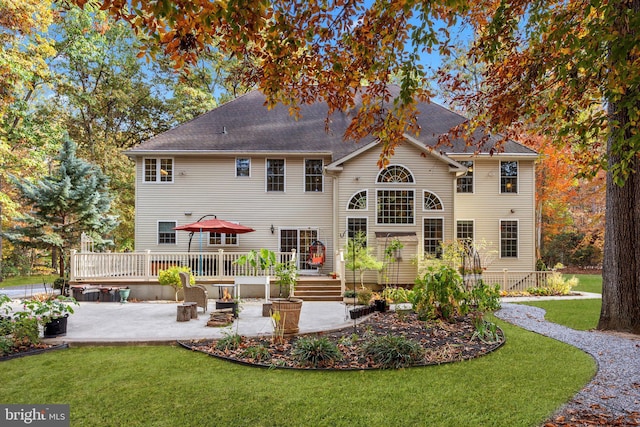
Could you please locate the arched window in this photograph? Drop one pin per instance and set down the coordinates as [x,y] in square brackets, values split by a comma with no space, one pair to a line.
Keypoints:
[431,202]
[358,201]
[395,174]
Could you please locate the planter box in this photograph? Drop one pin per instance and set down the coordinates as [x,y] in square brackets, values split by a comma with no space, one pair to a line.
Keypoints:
[56,328]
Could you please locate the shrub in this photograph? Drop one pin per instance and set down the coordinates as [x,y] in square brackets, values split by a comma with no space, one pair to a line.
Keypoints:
[364,296]
[393,351]
[397,295]
[439,294]
[259,353]
[485,297]
[556,285]
[171,277]
[349,293]
[229,342]
[316,352]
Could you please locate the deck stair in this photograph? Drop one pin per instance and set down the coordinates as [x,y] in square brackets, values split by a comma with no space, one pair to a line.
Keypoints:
[318,288]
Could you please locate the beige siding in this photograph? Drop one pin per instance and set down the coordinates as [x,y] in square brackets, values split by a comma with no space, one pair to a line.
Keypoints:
[207,185]
[429,172]
[487,206]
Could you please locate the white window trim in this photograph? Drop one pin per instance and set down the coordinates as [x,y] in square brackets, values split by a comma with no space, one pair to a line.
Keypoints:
[236,167]
[500,178]
[158,163]
[366,209]
[266,171]
[413,176]
[500,237]
[473,221]
[439,199]
[414,206]
[473,180]
[304,175]
[444,226]
[175,224]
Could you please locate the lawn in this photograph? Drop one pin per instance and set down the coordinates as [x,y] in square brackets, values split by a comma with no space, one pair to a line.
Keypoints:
[29,280]
[576,314]
[168,386]
[587,282]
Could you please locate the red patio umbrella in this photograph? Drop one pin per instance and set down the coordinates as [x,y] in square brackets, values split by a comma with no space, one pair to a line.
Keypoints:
[214,225]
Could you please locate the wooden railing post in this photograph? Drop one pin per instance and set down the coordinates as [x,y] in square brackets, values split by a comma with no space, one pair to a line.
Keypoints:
[72,265]
[147,264]
[505,278]
[220,270]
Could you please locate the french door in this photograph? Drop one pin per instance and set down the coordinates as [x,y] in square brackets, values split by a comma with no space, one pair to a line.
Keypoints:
[299,239]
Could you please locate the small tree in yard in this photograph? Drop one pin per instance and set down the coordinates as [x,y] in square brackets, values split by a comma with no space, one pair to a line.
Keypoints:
[72,199]
[360,258]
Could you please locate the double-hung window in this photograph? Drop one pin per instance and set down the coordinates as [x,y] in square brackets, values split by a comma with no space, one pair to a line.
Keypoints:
[508,239]
[433,234]
[464,183]
[508,177]
[158,170]
[166,233]
[313,179]
[218,239]
[275,175]
[243,166]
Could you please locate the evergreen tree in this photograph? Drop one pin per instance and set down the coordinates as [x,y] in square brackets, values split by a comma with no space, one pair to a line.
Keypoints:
[72,199]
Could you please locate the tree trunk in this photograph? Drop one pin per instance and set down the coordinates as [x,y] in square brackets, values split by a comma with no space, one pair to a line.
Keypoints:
[621,264]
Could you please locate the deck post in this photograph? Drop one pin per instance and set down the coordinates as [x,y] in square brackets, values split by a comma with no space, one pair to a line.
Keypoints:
[72,265]
[147,264]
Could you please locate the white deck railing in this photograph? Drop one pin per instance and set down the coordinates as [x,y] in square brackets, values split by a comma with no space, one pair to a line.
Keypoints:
[516,280]
[146,265]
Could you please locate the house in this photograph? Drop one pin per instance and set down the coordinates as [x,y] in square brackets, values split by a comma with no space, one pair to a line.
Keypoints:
[297,184]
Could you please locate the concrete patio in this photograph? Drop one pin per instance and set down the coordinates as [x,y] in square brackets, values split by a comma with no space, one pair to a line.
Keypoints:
[155,322]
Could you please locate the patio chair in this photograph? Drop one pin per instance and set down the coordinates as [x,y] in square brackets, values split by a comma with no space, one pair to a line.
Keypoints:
[196,293]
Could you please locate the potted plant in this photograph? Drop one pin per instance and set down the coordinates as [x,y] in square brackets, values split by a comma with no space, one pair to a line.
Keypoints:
[288,308]
[253,263]
[51,312]
[171,277]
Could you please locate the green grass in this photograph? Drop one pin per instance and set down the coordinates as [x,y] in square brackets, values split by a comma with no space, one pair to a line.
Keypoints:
[581,315]
[28,280]
[587,282]
[521,384]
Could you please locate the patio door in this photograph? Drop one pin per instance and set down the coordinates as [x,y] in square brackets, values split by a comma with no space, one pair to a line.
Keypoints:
[299,239]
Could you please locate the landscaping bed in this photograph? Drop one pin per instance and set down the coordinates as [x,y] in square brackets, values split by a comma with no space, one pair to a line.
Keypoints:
[440,342]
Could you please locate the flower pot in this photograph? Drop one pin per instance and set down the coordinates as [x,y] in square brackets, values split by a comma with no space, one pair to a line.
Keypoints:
[381,305]
[124,294]
[56,327]
[289,314]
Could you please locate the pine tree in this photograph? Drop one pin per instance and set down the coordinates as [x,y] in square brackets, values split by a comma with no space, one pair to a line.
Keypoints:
[72,199]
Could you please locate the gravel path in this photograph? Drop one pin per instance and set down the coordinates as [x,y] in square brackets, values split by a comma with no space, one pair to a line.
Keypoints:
[615,390]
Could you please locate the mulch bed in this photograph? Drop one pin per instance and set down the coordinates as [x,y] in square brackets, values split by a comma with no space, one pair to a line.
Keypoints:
[443,342]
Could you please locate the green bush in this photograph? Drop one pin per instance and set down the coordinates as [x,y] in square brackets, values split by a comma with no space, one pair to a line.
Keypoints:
[439,294]
[229,342]
[364,296]
[393,351]
[485,297]
[259,353]
[171,277]
[396,294]
[316,352]
[556,285]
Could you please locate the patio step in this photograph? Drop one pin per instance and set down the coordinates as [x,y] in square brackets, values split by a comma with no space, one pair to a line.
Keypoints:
[317,291]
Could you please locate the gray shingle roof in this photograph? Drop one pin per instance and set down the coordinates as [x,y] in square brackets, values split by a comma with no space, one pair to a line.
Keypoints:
[246,125]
